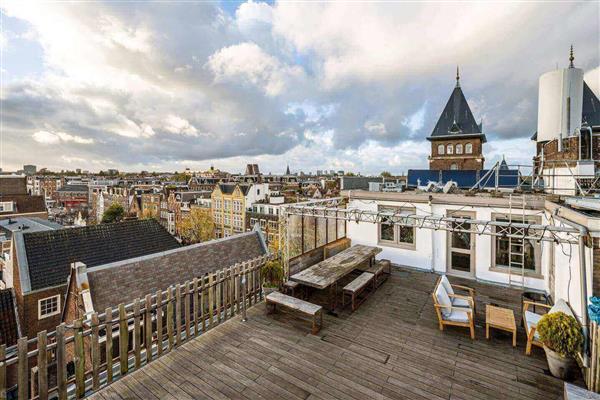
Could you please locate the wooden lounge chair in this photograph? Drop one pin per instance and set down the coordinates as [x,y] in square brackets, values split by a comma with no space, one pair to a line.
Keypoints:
[457,299]
[449,314]
[530,320]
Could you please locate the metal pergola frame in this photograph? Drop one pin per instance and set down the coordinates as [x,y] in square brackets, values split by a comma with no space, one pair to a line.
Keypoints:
[329,208]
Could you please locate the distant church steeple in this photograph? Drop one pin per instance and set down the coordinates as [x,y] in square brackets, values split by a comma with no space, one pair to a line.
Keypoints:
[287,170]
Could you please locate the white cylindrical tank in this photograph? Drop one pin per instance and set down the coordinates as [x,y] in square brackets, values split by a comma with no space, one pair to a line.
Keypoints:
[560,103]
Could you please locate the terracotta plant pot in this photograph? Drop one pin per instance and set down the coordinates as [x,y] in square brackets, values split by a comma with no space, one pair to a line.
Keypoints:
[560,367]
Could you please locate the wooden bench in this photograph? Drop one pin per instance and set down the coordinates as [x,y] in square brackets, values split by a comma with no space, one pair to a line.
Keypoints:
[301,306]
[291,287]
[356,287]
[378,270]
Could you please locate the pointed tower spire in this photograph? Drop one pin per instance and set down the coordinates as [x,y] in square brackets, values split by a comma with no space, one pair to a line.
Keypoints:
[287,170]
[457,77]
[571,58]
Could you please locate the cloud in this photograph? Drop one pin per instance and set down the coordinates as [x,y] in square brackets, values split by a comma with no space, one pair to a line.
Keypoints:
[247,63]
[46,137]
[321,85]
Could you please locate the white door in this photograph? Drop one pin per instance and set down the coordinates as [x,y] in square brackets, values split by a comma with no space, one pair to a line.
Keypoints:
[461,248]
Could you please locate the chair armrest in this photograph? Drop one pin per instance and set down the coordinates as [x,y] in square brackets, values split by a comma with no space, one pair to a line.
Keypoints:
[460,296]
[468,289]
[527,303]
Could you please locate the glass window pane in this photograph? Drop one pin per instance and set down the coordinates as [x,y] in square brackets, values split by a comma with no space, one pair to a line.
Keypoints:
[387,232]
[461,262]
[406,234]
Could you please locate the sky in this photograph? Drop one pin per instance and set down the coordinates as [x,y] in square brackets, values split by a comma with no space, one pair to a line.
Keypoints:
[355,86]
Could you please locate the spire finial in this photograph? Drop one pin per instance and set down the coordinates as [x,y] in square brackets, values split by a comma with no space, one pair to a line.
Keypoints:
[457,77]
[571,58]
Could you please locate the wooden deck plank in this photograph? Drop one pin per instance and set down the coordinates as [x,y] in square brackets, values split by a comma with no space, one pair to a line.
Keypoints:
[391,348]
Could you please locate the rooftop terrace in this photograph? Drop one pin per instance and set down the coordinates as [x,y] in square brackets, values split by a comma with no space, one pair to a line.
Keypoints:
[390,347]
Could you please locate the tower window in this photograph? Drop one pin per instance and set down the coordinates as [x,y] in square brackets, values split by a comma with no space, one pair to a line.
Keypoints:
[450,149]
[459,148]
[441,149]
[469,148]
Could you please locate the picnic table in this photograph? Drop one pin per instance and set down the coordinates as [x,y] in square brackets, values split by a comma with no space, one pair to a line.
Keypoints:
[328,272]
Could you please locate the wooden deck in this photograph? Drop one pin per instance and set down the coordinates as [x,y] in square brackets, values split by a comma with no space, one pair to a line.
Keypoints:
[390,348]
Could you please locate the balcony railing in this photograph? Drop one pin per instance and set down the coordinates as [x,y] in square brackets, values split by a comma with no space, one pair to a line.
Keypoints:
[139,333]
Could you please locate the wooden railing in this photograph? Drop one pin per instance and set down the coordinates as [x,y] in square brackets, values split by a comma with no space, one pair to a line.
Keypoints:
[141,332]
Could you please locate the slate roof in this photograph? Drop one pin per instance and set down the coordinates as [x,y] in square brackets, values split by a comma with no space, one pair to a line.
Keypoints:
[74,188]
[25,203]
[9,328]
[457,119]
[50,253]
[228,188]
[591,107]
[130,279]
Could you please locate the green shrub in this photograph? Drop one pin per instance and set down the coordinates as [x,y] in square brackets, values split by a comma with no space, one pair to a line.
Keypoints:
[272,273]
[561,333]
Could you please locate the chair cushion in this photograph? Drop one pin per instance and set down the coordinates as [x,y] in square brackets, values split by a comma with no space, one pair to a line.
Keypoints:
[531,320]
[456,302]
[447,285]
[443,299]
[457,316]
[561,305]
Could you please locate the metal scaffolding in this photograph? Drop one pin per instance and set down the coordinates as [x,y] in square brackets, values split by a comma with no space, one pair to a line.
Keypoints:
[329,208]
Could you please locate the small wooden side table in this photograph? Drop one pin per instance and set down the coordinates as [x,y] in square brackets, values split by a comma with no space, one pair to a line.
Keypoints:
[500,318]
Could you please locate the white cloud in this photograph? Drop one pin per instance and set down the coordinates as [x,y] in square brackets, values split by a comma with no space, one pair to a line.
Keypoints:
[247,63]
[48,137]
[250,14]
[180,126]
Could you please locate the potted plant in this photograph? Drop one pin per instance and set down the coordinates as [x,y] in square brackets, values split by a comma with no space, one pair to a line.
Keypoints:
[561,335]
[272,275]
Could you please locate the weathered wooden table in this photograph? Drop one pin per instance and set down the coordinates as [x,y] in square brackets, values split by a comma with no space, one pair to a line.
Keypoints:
[500,318]
[328,272]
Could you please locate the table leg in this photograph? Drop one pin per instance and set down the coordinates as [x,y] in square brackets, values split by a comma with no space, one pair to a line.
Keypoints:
[487,330]
[515,338]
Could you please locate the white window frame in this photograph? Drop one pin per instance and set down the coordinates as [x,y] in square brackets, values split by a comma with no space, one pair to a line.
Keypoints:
[459,148]
[441,149]
[537,249]
[396,242]
[449,149]
[58,310]
[469,148]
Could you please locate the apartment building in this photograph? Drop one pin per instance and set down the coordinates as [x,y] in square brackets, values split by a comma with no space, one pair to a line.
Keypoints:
[229,204]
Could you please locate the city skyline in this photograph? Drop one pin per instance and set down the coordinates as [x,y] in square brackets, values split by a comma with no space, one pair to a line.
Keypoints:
[162,87]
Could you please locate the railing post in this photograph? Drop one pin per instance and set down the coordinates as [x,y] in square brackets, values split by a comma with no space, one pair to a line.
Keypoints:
[23,368]
[95,352]
[148,328]
[42,364]
[243,284]
[123,340]
[109,344]
[178,314]
[61,366]
[79,359]
[159,323]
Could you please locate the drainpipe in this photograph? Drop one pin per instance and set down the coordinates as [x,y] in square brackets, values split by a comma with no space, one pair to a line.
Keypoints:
[583,233]
[589,129]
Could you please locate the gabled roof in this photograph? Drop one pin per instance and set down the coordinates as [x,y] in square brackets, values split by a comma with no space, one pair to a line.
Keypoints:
[145,275]
[457,119]
[9,327]
[229,188]
[590,113]
[49,254]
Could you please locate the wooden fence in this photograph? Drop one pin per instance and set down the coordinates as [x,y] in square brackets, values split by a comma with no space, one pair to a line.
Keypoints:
[592,374]
[141,332]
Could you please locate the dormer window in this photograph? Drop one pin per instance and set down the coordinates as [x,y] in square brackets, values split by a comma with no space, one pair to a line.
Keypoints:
[450,149]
